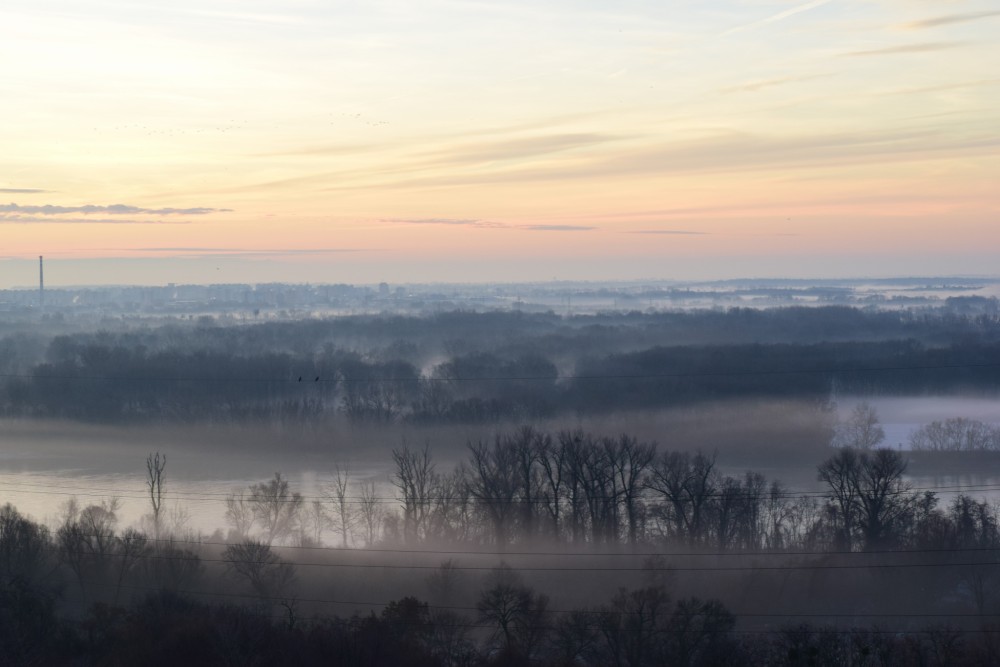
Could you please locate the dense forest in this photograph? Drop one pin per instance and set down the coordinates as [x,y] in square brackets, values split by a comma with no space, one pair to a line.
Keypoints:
[464,367]
[538,548]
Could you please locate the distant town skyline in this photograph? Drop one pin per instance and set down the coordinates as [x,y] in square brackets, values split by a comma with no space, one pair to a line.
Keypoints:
[215,141]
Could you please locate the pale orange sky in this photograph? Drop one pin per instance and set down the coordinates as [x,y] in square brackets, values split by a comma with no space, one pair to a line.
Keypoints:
[236,141]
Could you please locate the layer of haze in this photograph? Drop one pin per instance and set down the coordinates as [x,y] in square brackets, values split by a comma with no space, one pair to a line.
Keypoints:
[224,141]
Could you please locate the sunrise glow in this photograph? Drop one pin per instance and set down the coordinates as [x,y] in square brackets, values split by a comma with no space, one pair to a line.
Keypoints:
[507,140]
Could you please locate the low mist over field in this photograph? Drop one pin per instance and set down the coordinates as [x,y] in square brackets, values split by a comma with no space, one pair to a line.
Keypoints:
[500,483]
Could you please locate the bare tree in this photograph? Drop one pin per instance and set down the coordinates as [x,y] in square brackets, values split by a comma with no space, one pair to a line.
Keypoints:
[443,584]
[553,458]
[99,521]
[74,551]
[861,430]
[449,641]
[69,511]
[601,492]
[255,563]
[179,518]
[88,544]
[343,516]
[370,400]
[630,461]
[575,639]
[737,510]
[132,545]
[315,520]
[414,477]
[528,444]
[275,507]
[840,473]
[25,550]
[494,483]
[884,497]
[633,626]
[868,491]
[687,483]
[172,568]
[751,518]
[239,514]
[155,464]
[516,612]
[726,507]
[699,633]
[453,518]
[575,450]
[957,434]
[370,510]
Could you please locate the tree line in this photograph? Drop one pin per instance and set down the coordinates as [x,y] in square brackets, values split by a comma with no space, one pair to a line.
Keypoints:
[529,487]
[93,381]
[89,590]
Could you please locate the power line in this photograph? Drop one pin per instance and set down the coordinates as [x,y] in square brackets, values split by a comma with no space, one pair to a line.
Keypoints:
[210,496]
[606,554]
[562,569]
[311,379]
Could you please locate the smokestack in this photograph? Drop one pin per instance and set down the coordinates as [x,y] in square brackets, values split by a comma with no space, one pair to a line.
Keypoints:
[41,283]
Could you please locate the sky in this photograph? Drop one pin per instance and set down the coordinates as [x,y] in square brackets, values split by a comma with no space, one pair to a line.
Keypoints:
[192,141]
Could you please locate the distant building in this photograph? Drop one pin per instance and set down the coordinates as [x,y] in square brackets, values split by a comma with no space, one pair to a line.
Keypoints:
[383,289]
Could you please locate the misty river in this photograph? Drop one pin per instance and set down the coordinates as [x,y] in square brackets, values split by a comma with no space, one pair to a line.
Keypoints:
[45,464]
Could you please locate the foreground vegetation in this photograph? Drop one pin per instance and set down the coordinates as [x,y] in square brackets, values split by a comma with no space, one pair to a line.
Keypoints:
[539,549]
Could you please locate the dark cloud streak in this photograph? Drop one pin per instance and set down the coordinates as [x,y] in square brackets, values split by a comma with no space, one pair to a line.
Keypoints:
[948,19]
[222,252]
[556,228]
[6,219]
[112,209]
[327,150]
[740,152]
[455,222]
[754,86]
[923,47]
[668,232]
[487,224]
[517,149]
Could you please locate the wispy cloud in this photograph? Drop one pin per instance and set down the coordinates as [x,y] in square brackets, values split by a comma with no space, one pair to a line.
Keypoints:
[556,228]
[434,221]
[247,17]
[922,47]
[668,232]
[774,18]
[9,219]
[736,152]
[21,191]
[243,252]
[772,208]
[939,88]
[543,123]
[519,149]
[754,86]
[324,150]
[948,19]
[112,209]
[456,222]
[488,224]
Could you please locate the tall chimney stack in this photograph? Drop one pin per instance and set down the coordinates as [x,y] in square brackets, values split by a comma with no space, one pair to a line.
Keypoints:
[41,283]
